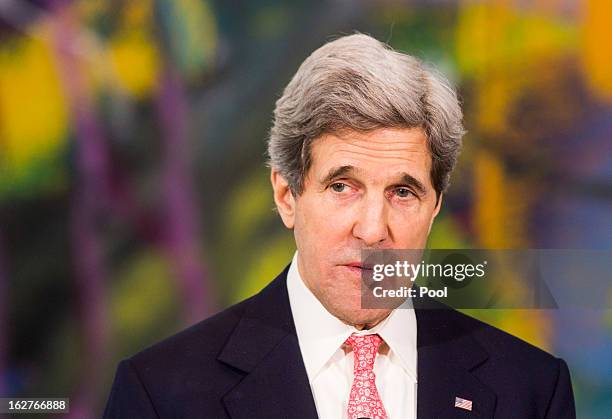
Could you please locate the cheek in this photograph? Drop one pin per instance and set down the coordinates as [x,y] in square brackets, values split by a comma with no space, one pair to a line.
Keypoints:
[410,229]
[339,287]
[322,223]
[307,223]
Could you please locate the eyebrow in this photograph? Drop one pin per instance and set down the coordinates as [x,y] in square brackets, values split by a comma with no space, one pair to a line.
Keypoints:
[336,172]
[414,182]
[405,178]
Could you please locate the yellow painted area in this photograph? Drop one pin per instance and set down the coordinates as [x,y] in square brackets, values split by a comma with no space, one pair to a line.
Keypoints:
[489,200]
[500,48]
[532,326]
[33,110]
[596,57]
[494,34]
[135,62]
[501,205]
[248,207]
[196,39]
[133,52]
[201,23]
[500,213]
[143,297]
[266,262]
[446,234]
[506,50]
[495,97]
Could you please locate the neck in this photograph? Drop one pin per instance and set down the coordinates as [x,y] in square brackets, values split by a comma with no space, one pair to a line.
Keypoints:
[367,326]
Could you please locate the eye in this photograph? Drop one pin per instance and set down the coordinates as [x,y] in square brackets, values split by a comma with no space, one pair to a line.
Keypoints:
[338,187]
[403,192]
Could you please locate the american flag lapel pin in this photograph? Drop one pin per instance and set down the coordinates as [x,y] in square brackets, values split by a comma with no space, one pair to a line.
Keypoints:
[463,404]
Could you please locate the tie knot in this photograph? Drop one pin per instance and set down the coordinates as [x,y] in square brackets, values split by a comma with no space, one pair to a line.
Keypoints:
[364,343]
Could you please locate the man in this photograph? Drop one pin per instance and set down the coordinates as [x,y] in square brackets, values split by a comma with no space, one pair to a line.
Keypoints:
[362,146]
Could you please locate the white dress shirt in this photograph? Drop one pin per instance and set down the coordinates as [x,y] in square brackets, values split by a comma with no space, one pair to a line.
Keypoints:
[329,363]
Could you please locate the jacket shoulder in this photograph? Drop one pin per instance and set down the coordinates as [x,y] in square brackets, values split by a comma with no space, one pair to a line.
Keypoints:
[519,370]
[181,367]
[522,373]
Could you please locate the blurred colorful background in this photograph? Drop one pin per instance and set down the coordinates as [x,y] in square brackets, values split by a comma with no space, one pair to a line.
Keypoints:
[134,199]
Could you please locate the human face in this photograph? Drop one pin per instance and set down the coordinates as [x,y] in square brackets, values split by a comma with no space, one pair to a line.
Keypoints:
[364,190]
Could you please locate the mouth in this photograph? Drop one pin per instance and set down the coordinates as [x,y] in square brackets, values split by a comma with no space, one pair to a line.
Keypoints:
[359,267]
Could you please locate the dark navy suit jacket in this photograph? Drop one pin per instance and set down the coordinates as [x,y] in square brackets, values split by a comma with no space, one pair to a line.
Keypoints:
[245,363]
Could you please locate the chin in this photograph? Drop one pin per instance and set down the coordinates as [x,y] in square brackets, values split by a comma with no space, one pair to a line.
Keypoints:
[344,303]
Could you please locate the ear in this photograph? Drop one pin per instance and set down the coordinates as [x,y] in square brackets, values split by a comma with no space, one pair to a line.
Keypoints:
[435,212]
[283,197]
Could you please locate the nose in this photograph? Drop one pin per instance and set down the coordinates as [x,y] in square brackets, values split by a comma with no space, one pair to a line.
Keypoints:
[371,226]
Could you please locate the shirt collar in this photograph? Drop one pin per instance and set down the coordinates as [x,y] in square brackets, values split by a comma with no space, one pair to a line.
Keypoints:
[320,334]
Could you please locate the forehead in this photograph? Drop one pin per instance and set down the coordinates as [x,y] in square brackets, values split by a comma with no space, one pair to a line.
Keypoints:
[376,153]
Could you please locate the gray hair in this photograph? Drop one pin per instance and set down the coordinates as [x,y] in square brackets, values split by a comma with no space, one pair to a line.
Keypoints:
[356,82]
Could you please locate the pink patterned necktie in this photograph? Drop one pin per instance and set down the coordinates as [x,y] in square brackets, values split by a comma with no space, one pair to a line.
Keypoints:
[364,401]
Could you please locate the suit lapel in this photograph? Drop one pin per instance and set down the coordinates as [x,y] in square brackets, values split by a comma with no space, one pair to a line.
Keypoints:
[264,345]
[447,354]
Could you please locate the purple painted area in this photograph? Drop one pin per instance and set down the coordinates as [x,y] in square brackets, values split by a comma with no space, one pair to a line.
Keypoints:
[89,198]
[180,238]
